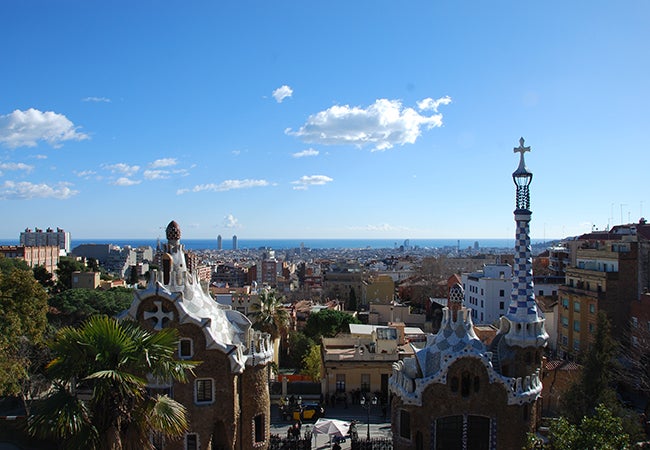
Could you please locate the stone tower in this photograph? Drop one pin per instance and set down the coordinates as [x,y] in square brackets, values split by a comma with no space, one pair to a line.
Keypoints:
[458,394]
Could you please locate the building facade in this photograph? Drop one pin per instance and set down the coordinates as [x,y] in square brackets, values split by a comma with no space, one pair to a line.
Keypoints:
[227,396]
[39,238]
[46,256]
[459,393]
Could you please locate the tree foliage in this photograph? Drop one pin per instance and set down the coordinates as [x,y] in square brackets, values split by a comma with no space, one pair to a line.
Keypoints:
[595,384]
[111,360]
[311,363]
[269,315]
[66,266]
[23,322]
[299,345]
[328,323]
[73,306]
[602,431]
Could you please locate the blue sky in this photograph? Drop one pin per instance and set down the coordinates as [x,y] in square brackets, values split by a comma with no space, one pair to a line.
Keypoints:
[322,119]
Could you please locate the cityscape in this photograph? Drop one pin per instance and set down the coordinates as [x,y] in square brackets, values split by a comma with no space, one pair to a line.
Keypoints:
[324,225]
[440,347]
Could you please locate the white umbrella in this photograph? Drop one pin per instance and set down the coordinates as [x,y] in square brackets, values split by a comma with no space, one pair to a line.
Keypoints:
[331,427]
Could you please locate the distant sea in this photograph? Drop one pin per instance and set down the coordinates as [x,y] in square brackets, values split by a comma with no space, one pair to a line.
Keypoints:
[280,244]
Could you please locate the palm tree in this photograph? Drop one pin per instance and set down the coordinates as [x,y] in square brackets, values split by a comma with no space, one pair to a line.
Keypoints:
[110,361]
[269,316]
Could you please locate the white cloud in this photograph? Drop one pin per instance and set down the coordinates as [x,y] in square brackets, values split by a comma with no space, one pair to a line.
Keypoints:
[383,124]
[87,174]
[26,128]
[96,99]
[163,162]
[311,180]
[282,92]
[26,190]
[308,152]
[429,104]
[15,166]
[122,168]
[40,156]
[230,221]
[156,174]
[225,186]
[124,181]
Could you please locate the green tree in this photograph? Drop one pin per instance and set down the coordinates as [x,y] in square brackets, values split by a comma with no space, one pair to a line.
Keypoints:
[602,431]
[64,270]
[311,363]
[44,277]
[352,300]
[23,322]
[299,345]
[595,384]
[110,360]
[269,315]
[328,323]
[73,306]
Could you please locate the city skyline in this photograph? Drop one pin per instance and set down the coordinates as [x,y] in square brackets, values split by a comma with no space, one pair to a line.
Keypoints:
[330,120]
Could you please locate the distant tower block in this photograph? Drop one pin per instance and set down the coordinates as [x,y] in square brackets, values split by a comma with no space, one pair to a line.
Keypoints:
[234,242]
[219,243]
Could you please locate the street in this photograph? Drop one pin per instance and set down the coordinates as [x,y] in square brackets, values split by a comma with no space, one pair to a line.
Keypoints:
[379,427]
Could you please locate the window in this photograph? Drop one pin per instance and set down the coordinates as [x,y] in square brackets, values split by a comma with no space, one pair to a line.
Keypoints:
[185,348]
[465,384]
[405,424]
[591,328]
[576,306]
[576,345]
[592,308]
[565,340]
[635,341]
[565,303]
[576,325]
[260,429]
[191,441]
[365,382]
[203,390]
[565,322]
[634,322]
[454,384]
[477,383]
[501,305]
[502,293]
[340,382]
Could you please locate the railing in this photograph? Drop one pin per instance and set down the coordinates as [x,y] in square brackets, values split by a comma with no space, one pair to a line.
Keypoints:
[280,443]
[372,444]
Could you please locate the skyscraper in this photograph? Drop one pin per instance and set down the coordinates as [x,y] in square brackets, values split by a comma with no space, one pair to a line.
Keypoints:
[219,243]
[234,242]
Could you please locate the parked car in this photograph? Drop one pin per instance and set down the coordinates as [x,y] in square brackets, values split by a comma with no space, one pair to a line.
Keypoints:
[307,411]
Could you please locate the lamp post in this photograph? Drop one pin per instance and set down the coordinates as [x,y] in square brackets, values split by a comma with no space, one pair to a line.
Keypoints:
[367,403]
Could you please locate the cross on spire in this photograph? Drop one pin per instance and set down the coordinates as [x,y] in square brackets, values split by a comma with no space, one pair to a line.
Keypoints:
[521,150]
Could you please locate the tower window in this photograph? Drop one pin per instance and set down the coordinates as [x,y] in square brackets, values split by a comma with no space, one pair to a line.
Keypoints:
[477,383]
[203,390]
[454,384]
[185,348]
[260,430]
[405,424]
[191,441]
[465,385]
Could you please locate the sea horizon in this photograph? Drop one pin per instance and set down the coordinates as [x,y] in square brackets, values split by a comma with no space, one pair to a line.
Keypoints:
[323,243]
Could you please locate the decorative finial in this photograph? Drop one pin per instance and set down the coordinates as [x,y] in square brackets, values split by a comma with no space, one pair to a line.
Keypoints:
[521,150]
